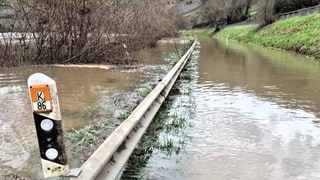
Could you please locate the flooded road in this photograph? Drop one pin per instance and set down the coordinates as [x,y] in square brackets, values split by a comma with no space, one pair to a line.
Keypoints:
[84,96]
[250,114]
[80,90]
[244,112]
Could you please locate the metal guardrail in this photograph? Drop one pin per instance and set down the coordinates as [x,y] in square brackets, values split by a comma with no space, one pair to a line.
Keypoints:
[108,161]
[300,12]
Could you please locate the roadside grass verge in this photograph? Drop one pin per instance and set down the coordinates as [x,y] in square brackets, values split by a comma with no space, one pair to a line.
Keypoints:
[197,32]
[300,34]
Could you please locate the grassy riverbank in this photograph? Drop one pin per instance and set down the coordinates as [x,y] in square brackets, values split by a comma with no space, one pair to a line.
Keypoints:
[301,35]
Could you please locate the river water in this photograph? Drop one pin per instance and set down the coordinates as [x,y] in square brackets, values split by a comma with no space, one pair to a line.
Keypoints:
[80,90]
[250,114]
[84,96]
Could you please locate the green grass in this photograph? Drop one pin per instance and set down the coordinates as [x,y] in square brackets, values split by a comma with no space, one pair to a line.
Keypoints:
[144,92]
[197,32]
[89,136]
[301,34]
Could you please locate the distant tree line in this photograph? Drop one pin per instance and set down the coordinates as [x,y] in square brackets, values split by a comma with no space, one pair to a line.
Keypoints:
[217,12]
[83,31]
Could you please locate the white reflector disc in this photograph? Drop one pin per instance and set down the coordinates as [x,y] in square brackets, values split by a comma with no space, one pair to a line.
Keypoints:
[52,154]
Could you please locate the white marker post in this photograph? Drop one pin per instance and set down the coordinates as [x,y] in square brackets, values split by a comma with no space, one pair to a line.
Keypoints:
[46,111]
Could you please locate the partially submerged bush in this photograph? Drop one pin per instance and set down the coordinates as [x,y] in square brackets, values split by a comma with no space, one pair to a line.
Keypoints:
[84,31]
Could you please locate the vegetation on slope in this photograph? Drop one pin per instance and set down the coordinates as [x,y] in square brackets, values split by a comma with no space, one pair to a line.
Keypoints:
[217,12]
[301,35]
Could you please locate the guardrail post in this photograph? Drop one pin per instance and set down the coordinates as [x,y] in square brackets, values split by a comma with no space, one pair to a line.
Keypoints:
[47,118]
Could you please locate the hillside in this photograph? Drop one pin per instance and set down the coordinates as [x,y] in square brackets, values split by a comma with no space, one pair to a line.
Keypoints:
[301,35]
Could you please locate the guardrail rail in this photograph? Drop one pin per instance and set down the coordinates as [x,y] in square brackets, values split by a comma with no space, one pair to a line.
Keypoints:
[300,12]
[108,161]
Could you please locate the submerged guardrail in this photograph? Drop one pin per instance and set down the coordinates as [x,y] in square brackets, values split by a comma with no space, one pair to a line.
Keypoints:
[108,161]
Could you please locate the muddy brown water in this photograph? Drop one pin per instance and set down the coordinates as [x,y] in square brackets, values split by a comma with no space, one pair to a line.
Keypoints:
[80,90]
[83,93]
[250,115]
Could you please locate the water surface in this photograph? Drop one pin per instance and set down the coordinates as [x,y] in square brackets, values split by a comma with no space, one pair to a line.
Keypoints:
[252,117]
[79,90]
[84,96]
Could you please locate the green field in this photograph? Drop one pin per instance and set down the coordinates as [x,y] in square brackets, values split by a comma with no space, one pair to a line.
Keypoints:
[301,35]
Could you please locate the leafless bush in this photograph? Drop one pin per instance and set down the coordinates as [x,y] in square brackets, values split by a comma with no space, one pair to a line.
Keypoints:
[148,22]
[85,31]
[218,12]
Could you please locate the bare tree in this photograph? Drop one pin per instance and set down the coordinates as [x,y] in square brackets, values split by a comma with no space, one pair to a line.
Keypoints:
[149,21]
[247,6]
[212,13]
[87,31]
[227,11]
[282,6]
[266,11]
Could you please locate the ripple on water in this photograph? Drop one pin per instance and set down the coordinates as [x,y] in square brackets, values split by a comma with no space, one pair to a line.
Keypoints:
[237,135]
[81,97]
